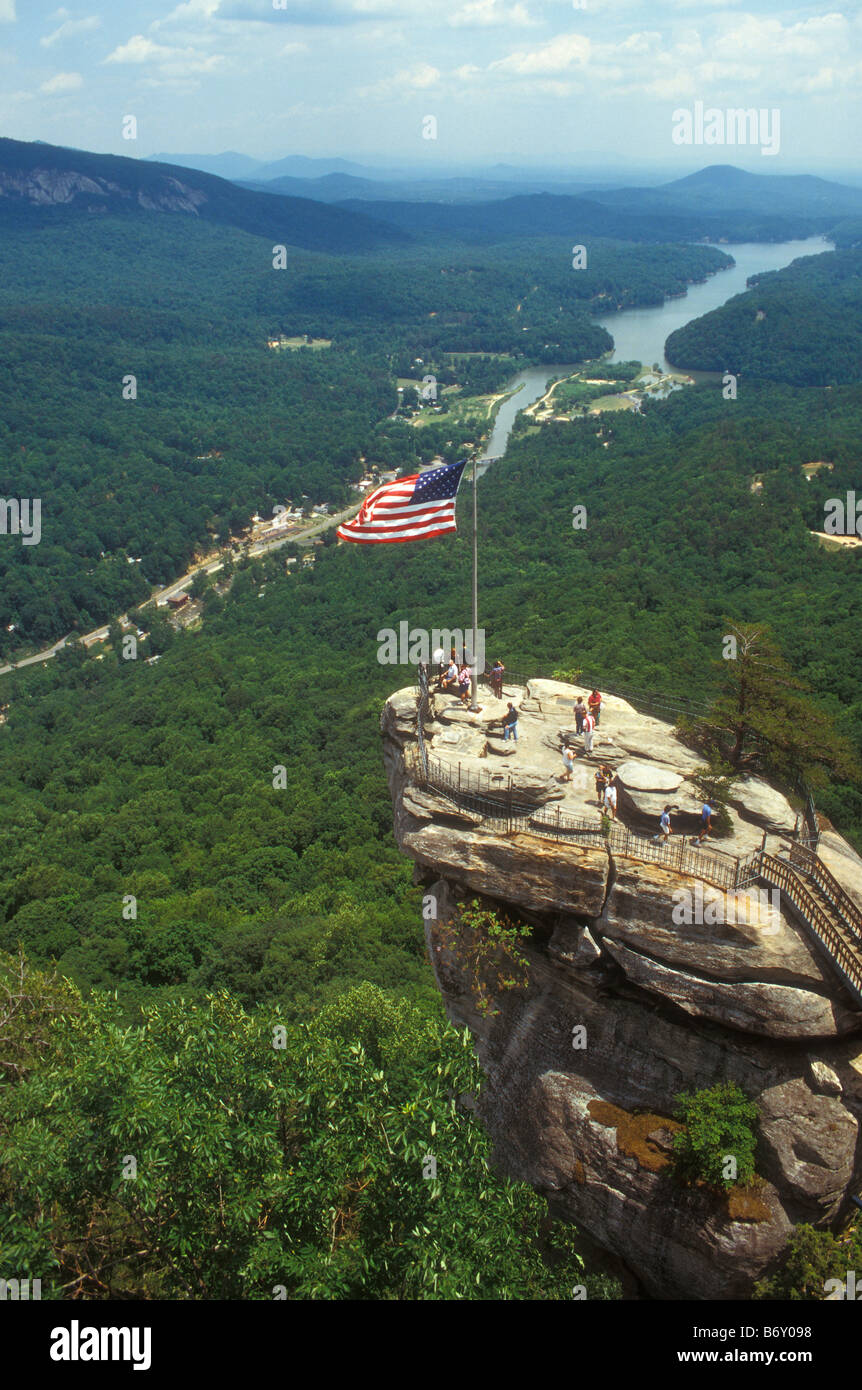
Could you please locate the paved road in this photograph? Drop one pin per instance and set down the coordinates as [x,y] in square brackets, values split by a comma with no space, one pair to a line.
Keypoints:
[178,586]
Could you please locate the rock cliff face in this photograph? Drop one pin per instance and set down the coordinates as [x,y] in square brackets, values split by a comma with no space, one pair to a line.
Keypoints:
[52,187]
[666,1006]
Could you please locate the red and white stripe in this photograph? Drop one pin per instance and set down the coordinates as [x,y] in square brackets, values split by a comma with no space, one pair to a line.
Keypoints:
[387,514]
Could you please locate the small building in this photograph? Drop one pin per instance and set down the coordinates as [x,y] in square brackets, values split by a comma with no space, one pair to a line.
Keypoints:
[178,600]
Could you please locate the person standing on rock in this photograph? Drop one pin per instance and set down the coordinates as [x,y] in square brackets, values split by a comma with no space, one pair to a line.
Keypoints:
[595,706]
[569,755]
[611,800]
[589,726]
[580,714]
[664,830]
[464,683]
[510,723]
[601,783]
[706,815]
[497,678]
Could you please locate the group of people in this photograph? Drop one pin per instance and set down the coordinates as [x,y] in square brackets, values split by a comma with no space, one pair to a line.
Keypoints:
[455,677]
[452,676]
[606,791]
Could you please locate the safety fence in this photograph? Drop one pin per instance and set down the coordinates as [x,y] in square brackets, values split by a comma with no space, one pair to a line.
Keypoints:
[494,800]
[492,797]
[810,865]
[843,953]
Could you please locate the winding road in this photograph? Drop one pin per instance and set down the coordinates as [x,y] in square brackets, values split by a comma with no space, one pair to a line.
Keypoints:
[178,586]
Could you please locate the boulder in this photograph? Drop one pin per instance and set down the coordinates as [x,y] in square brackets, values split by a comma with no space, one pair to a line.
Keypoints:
[762,804]
[643,809]
[663,1005]
[574,946]
[639,776]
[739,936]
[823,1078]
[760,1007]
[811,1140]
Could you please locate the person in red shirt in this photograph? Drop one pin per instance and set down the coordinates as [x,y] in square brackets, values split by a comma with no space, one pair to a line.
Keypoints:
[594,704]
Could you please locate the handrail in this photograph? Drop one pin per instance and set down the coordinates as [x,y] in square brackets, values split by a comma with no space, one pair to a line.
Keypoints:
[810,863]
[485,796]
[781,874]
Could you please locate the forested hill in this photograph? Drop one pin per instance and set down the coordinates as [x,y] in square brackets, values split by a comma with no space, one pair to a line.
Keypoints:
[719,187]
[801,325]
[548,214]
[50,183]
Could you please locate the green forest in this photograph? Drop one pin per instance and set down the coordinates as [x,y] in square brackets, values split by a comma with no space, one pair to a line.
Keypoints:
[801,325]
[219,426]
[176,901]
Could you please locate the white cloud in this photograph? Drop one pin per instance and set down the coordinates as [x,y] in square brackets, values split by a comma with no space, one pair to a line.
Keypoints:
[770,39]
[62,82]
[137,50]
[418,78]
[192,10]
[485,13]
[171,62]
[70,27]
[558,55]
[7,11]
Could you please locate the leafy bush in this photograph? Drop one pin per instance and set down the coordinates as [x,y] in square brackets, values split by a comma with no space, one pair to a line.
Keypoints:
[719,1124]
[809,1259]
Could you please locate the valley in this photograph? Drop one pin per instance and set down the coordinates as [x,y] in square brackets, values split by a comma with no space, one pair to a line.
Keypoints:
[207,846]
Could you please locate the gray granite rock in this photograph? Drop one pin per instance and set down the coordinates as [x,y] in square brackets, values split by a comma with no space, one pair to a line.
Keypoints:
[638,776]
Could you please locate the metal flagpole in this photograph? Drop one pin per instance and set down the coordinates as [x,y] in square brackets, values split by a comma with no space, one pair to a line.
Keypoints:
[474,705]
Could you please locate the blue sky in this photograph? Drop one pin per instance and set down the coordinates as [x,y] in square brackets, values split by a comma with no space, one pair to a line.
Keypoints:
[543,82]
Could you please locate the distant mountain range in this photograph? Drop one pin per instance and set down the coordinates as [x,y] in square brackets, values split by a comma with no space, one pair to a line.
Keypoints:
[722,186]
[343,211]
[51,182]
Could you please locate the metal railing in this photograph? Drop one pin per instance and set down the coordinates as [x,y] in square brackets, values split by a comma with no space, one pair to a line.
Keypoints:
[781,874]
[810,865]
[494,799]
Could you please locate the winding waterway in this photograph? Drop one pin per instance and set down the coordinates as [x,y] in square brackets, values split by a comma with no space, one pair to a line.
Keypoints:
[640,334]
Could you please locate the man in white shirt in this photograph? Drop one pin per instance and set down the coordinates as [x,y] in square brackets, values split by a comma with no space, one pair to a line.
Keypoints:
[589,726]
[611,801]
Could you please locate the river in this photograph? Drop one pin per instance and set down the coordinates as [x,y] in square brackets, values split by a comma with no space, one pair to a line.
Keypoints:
[640,334]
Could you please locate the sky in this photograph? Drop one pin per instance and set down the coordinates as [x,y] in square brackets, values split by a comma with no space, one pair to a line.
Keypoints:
[437,84]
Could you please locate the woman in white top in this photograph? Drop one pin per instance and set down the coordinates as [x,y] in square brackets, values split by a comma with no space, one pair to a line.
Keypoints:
[611,801]
[568,763]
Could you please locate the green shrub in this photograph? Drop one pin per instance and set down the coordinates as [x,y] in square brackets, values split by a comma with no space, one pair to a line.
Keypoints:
[809,1259]
[719,1125]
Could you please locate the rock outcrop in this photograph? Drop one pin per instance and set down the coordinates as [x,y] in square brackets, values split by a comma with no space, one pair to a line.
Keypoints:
[670,999]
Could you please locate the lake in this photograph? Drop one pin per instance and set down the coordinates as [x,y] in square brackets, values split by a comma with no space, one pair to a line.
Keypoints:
[640,334]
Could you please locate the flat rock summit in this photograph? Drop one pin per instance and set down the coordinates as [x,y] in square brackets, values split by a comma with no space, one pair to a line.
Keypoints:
[668,1005]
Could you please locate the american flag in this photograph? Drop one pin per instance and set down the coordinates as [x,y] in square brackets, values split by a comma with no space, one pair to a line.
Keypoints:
[410,509]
